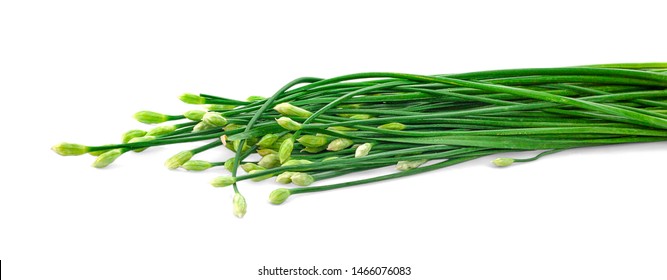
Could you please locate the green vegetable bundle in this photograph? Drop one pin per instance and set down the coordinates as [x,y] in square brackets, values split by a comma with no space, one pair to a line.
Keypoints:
[314,129]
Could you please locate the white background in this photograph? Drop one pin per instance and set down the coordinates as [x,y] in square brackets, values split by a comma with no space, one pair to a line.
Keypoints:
[77,70]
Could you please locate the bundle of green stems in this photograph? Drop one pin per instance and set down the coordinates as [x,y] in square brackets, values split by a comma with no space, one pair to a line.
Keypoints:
[315,129]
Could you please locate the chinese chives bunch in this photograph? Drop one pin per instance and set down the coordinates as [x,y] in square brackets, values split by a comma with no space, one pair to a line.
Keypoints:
[314,129]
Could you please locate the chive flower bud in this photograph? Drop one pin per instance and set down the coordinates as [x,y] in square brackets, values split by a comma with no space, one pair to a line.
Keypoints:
[149,117]
[196,165]
[194,115]
[360,117]
[269,161]
[276,145]
[223,181]
[350,106]
[141,139]
[107,158]
[267,140]
[254,98]
[190,98]
[302,179]
[248,167]
[214,119]
[220,107]
[278,196]
[230,146]
[288,123]
[265,152]
[290,110]
[161,130]
[312,141]
[503,162]
[339,144]
[70,149]
[392,126]
[285,150]
[201,126]
[363,150]
[251,141]
[240,206]
[296,162]
[259,178]
[127,136]
[409,164]
[233,126]
[314,150]
[341,128]
[237,143]
[178,159]
[285,177]
[229,164]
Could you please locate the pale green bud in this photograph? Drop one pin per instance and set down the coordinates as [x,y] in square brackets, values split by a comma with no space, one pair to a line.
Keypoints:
[127,136]
[248,167]
[190,98]
[201,126]
[290,110]
[230,146]
[259,178]
[150,117]
[409,164]
[214,119]
[339,144]
[363,150]
[266,152]
[341,128]
[223,181]
[360,117]
[288,123]
[233,126]
[392,126]
[196,165]
[267,140]
[251,141]
[107,158]
[302,179]
[161,130]
[194,115]
[329,158]
[314,150]
[237,143]
[280,141]
[229,164]
[350,106]
[255,98]
[220,107]
[269,161]
[503,162]
[70,149]
[286,150]
[240,206]
[285,177]
[296,162]
[345,115]
[178,159]
[312,141]
[141,139]
[278,196]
